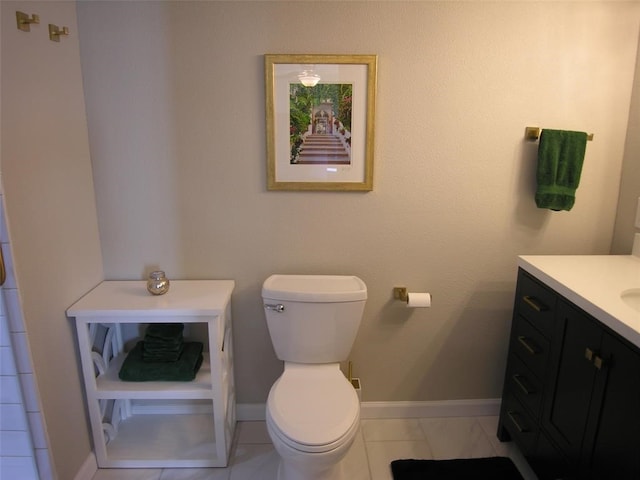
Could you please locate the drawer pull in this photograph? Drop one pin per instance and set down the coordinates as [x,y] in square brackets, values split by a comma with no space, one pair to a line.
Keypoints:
[512,416]
[531,348]
[535,303]
[599,362]
[588,354]
[520,381]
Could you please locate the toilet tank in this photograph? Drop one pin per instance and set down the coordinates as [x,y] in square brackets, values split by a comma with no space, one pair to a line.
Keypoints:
[313,318]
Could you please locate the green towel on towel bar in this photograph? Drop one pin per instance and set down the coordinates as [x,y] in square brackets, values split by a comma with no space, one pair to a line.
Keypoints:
[560,158]
[136,369]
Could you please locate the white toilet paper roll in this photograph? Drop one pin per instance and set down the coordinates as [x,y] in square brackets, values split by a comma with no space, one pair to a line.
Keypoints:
[418,300]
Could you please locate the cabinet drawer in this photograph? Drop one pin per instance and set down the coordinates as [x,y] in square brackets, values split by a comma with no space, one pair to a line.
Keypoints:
[536,303]
[524,385]
[548,462]
[520,425]
[530,345]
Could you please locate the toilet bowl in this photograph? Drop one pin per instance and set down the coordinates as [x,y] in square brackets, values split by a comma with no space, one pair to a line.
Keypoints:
[313,416]
[313,411]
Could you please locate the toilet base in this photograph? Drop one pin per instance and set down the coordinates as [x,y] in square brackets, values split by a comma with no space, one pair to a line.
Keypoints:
[287,471]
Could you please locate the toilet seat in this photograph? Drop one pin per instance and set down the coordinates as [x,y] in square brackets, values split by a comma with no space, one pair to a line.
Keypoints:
[313,408]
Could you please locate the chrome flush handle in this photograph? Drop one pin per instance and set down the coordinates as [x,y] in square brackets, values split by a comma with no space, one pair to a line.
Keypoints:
[277,307]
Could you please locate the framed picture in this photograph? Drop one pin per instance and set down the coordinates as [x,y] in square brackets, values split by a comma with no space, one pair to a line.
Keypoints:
[320,120]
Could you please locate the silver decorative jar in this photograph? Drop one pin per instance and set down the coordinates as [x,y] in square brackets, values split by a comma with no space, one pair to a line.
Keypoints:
[158,283]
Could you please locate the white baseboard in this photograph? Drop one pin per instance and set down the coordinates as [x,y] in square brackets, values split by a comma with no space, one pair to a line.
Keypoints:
[445,408]
[88,468]
[372,410]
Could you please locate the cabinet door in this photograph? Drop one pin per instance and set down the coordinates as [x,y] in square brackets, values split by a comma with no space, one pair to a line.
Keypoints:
[548,462]
[567,406]
[612,448]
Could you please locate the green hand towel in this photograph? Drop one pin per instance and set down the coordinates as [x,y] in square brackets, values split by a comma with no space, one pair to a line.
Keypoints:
[164,331]
[161,355]
[560,158]
[135,369]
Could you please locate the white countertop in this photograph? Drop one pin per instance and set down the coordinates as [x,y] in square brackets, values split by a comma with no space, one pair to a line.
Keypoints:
[131,298]
[594,283]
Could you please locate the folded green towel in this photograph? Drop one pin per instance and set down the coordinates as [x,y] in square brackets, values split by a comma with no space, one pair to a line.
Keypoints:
[163,342]
[162,355]
[159,349]
[151,348]
[160,340]
[560,158]
[164,331]
[136,369]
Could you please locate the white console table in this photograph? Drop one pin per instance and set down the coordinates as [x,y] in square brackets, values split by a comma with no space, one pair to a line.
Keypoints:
[157,423]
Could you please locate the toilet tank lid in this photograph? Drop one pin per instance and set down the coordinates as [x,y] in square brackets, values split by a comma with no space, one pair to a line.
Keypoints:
[314,288]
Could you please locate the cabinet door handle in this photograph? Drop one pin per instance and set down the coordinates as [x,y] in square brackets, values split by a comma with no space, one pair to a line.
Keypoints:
[534,303]
[519,379]
[588,354]
[531,348]
[512,415]
[593,357]
[599,362]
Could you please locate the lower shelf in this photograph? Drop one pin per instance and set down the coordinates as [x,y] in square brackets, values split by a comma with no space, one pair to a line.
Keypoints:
[160,440]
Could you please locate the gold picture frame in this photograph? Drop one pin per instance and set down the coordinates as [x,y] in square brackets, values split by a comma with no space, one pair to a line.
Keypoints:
[320,112]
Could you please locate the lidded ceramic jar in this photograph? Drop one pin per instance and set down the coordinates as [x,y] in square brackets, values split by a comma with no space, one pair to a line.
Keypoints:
[158,283]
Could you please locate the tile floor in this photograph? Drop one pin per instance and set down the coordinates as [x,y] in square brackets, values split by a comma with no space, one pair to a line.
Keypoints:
[377,444]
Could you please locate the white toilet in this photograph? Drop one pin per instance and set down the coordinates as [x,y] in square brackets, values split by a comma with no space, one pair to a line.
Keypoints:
[313,412]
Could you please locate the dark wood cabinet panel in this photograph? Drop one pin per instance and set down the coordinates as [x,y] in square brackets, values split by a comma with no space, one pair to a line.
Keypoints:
[524,385]
[571,398]
[612,442]
[530,346]
[573,376]
[536,302]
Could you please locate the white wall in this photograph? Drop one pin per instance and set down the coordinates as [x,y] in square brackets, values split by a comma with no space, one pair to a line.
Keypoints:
[51,214]
[175,104]
[630,178]
[24,446]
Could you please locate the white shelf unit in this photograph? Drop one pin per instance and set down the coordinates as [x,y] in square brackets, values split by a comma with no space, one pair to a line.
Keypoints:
[160,424]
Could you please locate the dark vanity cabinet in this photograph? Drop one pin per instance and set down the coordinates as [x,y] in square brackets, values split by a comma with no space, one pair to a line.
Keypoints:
[571,398]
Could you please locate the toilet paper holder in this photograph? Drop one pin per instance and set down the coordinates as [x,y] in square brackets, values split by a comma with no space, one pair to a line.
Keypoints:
[400,293]
[412,299]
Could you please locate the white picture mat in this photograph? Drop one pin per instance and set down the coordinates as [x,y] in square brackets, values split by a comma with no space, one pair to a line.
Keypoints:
[286,74]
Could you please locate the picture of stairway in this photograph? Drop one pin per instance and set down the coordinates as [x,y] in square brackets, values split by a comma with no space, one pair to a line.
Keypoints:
[323,148]
[320,124]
